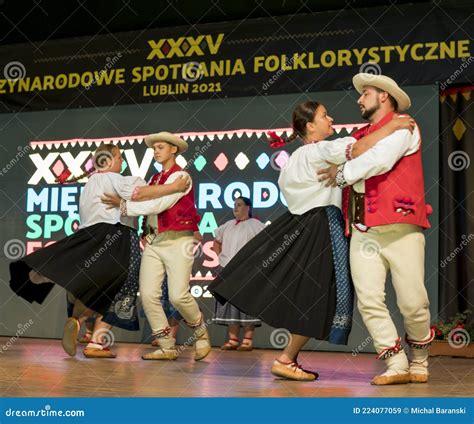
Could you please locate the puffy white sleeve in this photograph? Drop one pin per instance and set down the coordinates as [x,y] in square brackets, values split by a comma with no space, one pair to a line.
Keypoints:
[335,151]
[219,233]
[157,206]
[125,186]
[257,226]
[382,157]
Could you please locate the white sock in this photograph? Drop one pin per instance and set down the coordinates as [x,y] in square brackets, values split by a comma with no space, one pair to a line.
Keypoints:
[396,364]
[419,361]
[166,343]
[92,345]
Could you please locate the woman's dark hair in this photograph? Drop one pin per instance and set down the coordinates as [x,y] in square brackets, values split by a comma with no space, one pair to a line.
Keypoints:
[248,202]
[302,114]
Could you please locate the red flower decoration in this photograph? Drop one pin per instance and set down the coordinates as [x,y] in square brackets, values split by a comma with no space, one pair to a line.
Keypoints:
[275,140]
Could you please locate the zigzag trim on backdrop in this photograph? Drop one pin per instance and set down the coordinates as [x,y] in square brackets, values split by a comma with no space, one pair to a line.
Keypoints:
[230,135]
[84,56]
[290,36]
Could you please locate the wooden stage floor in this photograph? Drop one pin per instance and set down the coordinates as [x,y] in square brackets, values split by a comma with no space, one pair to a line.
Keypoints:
[40,368]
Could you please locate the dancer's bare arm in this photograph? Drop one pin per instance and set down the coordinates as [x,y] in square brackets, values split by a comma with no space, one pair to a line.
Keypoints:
[217,247]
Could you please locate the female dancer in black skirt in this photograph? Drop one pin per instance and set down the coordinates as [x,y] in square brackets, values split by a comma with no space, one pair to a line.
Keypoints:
[297,268]
[99,264]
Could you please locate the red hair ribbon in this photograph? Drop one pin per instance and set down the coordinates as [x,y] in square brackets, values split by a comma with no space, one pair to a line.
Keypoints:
[275,140]
[64,176]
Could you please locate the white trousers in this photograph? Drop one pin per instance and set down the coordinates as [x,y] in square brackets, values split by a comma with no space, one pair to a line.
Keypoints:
[400,249]
[173,257]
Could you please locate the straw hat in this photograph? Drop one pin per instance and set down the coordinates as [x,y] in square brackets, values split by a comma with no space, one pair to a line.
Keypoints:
[168,138]
[383,83]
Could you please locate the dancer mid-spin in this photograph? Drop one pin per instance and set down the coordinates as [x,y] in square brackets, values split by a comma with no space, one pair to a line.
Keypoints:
[98,265]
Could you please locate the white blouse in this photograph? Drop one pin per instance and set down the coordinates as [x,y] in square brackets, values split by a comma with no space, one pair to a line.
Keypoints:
[92,210]
[298,179]
[234,236]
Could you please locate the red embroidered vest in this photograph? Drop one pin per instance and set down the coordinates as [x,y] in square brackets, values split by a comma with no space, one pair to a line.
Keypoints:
[180,217]
[388,195]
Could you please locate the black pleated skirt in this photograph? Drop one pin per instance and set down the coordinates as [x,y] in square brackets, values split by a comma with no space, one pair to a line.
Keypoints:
[93,264]
[285,275]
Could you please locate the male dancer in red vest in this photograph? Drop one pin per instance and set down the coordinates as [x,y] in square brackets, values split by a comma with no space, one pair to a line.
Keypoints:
[384,208]
[169,228]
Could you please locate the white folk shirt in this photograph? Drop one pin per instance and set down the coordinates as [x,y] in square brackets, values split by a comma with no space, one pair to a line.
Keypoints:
[91,209]
[157,206]
[233,236]
[381,158]
[299,180]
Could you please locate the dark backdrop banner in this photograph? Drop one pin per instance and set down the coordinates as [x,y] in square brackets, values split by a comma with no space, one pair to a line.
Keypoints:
[228,154]
[414,44]
[456,201]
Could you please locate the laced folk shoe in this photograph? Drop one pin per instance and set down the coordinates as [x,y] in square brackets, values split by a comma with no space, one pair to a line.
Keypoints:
[166,350]
[419,371]
[246,345]
[71,331]
[418,356]
[161,354]
[397,366]
[292,371]
[397,371]
[391,377]
[86,338]
[418,366]
[231,344]
[94,352]
[202,344]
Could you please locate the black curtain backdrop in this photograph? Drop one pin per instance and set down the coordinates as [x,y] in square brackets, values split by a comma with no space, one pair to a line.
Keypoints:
[456,292]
